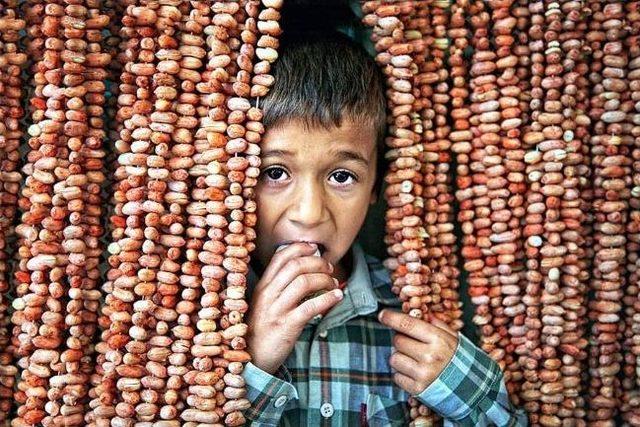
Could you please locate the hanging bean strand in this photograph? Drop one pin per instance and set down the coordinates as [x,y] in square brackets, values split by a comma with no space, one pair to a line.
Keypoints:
[630,408]
[531,357]
[611,160]
[12,60]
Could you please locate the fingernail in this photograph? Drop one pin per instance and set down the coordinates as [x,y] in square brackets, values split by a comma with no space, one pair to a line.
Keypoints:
[313,245]
[338,293]
[337,283]
[380,315]
[331,267]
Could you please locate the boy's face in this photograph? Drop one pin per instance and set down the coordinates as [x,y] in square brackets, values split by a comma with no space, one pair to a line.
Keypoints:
[316,186]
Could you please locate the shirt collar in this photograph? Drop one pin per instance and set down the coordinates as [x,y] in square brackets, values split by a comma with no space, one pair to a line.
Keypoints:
[359,296]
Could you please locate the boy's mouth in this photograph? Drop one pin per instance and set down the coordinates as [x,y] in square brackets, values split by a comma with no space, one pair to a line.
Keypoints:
[321,247]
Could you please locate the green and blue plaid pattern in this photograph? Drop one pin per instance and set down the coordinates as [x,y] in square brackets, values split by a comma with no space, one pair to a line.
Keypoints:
[339,375]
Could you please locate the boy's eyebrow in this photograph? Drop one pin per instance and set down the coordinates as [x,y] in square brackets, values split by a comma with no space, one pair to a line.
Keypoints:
[276,153]
[352,155]
[342,155]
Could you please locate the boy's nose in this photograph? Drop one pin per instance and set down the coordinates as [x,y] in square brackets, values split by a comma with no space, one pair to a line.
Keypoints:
[307,209]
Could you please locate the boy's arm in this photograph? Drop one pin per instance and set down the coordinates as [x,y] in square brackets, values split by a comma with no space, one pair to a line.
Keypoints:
[470,391]
[268,394]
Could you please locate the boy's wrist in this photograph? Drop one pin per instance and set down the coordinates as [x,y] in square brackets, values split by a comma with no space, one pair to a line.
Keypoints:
[270,367]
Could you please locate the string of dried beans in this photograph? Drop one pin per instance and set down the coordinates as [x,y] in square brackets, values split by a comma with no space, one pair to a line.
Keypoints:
[11,112]
[630,404]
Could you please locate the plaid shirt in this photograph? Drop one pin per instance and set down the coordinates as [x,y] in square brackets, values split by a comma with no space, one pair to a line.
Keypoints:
[338,373]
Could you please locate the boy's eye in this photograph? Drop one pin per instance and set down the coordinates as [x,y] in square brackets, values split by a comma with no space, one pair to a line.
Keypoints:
[343,177]
[275,173]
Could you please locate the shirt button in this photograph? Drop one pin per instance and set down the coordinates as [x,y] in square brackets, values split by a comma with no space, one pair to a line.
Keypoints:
[322,334]
[281,400]
[326,410]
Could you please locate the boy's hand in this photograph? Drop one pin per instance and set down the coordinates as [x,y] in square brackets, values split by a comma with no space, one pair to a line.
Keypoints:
[278,313]
[422,349]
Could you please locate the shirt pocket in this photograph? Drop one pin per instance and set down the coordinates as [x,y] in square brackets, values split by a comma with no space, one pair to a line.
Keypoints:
[383,411]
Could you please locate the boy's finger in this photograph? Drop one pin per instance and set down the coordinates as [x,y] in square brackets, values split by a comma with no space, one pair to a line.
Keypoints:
[409,346]
[281,258]
[295,268]
[404,364]
[311,308]
[304,285]
[406,324]
[406,383]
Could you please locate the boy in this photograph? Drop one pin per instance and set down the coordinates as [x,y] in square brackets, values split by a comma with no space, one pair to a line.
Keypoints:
[343,357]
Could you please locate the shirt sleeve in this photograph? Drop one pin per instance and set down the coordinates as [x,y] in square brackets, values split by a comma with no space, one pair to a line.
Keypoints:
[268,394]
[470,391]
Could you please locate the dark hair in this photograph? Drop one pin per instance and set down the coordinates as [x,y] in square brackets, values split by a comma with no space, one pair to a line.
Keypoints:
[320,78]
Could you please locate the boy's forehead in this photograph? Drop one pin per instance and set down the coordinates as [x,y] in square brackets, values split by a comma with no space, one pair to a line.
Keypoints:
[351,134]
